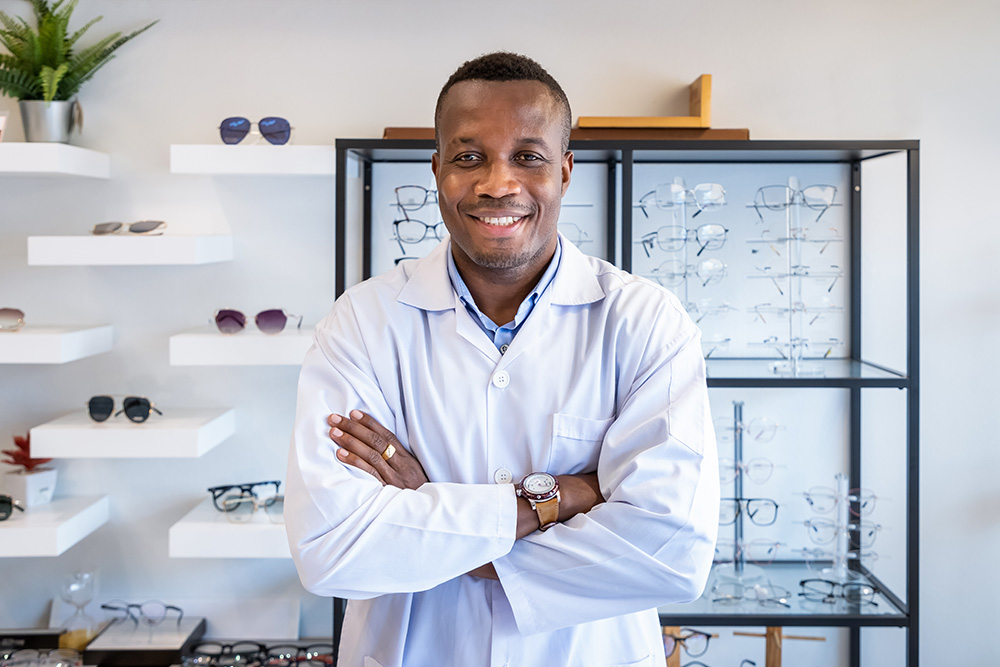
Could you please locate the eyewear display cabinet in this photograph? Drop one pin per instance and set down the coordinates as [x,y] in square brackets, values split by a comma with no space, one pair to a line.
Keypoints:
[799,262]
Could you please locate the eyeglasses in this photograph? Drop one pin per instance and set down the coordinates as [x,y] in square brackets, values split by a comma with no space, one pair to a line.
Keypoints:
[414,197]
[759,551]
[573,233]
[147,227]
[760,429]
[712,344]
[151,612]
[674,272]
[780,197]
[136,408]
[275,130]
[815,313]
[734,592]
[7,507]
[772,241]
[227,497]
[11,319]
[706,196]
[799,271]
[820,559]
[409,230]
[757,470]
[824,499]
[240,509]
[271,321]
[217,654]
[825,531]
[824,590]
[673,239]
[761,511]
[317,655]
[794,347]
[702,308]
[33,657]
[695,642]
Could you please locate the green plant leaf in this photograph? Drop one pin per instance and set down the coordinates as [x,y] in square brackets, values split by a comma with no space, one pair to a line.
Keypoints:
[21,86]
[50,79]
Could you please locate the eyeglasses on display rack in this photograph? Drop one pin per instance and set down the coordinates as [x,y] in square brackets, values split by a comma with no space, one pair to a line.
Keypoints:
[151,612]
[815,313]
[714,345]
[706,196]
[574,234]
[735,592]
[824,499]
[11,319]
[34,657]
[136,408]
[410,230]
[761,511]
[824,590]
[821,559]
[673,272]
[702,308]
[274,130]
[241,508]
[759,551]
[817,197]
[758,429]
[674,238]
[253,654]
[774,240]
[824,531]
[7,506]
[798,344]
[799,271]
[413,198]
[694,642]
[271,321]
[757,470]
[228,497]
[142,227]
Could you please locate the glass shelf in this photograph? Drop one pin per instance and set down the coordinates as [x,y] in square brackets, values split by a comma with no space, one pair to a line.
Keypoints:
[801,612]
[822,373]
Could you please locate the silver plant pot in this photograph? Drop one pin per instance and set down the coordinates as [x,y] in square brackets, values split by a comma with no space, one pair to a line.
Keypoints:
[48,121]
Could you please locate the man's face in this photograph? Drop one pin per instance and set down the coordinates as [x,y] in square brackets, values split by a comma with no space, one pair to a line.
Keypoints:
[501,175]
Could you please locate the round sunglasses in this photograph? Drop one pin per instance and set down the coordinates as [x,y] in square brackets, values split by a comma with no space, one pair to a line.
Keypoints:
[136,408]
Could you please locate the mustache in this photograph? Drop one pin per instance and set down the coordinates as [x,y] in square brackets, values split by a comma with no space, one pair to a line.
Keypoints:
[490,205]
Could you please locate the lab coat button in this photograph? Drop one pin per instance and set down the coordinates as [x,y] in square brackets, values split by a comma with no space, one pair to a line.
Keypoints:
[502,476]
[501,380]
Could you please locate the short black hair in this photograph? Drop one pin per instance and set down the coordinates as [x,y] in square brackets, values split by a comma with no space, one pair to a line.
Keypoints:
[506,66]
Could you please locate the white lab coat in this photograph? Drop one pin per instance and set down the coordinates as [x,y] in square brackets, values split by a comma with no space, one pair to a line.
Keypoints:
[606,374]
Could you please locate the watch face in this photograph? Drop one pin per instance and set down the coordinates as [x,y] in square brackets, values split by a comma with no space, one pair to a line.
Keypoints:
[538,483]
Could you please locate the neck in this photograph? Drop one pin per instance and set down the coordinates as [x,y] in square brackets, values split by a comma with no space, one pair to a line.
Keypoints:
[499,292]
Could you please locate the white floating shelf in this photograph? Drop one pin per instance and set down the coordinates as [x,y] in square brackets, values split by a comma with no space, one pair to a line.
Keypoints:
[54,345]
[51,529]
[257,159]
[129,250]
[45,159]
[204,532]
[208,347]
[179,433]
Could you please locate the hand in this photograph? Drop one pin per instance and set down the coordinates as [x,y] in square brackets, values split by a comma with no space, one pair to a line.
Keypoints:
[363,440]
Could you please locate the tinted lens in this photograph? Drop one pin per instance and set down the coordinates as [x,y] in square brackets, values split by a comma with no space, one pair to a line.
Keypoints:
[271,321]
[6,507]
[145,226]
[233,129]
[136,408]
[276,510]
[107,228]
[11,319]
[230,321]
[276,130]
[100,407]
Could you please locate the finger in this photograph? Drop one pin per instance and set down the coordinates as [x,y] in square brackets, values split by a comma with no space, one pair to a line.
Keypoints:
[352,459]
[372,424]
[377,440]
[358,447]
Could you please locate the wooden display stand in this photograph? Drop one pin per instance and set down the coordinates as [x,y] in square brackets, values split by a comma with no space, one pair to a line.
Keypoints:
[699,107]
[773,637]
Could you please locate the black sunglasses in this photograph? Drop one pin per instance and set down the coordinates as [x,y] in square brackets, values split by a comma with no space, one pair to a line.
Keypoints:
[276,130]
[7,507]
[136,408]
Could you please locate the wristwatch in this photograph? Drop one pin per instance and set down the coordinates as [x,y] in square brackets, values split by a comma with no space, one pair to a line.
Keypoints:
[541,490]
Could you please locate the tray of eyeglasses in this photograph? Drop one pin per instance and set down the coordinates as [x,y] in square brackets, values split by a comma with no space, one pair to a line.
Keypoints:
[143,644]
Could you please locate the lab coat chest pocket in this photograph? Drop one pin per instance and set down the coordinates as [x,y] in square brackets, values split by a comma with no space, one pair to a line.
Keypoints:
[576,443]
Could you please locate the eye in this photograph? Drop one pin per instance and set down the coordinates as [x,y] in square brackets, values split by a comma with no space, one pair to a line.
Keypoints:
[530,157]
[466,157]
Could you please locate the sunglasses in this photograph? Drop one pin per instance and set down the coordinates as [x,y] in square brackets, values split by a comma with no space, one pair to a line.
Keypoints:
[141,227]
[268,321]
[275,130]
[7,507]
[11,319]
[136,408]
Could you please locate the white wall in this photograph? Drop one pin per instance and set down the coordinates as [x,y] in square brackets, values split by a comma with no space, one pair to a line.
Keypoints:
[874,69]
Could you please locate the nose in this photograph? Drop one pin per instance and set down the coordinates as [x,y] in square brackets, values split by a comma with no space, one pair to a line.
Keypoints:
[497,180]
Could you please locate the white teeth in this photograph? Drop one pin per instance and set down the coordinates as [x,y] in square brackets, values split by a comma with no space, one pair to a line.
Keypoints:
[500,222]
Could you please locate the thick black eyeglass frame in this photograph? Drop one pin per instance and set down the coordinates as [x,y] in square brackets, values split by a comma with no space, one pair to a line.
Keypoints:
[245,489]
[833,595]
[741,502]
[680,640]
[289,654]
[7,506]
[220,649]
[129,606]
[433,229]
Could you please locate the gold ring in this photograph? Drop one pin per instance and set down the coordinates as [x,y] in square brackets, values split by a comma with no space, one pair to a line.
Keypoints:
[389,451]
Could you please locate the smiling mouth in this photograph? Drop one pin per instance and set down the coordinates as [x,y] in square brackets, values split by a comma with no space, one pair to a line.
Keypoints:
[503,221]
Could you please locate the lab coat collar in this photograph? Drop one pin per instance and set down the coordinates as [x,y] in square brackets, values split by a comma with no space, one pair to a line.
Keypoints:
[430,288]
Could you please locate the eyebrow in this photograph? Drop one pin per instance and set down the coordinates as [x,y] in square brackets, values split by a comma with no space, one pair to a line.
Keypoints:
[530,141]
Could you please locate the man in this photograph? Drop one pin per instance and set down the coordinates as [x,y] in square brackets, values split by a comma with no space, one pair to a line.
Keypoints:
[504,354]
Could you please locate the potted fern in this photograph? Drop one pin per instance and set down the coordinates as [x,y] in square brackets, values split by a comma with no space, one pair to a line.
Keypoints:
[33,484]
[44,69]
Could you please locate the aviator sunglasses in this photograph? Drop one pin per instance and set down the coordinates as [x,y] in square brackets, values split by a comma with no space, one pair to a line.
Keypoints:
[7,507]
[271,321]
[136,408]
[151,227]
[11,319]
[276,131]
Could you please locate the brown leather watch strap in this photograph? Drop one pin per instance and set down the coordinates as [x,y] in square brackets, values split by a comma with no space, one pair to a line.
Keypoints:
[548,512]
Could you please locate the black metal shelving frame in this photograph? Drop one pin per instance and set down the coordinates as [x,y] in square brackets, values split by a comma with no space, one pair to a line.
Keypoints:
[621,156]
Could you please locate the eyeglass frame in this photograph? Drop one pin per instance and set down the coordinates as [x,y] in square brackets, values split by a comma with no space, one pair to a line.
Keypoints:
[740,502]
[833,597]
[681,641]
[682,236]
[779,599]
[856,496]
[266,504]
[743,547]
[129,606]
[852,529]
[681,277]
[687,192]
[745,467]
[428,194]
[400,240]
[791,199]
[269,659]
[246,488]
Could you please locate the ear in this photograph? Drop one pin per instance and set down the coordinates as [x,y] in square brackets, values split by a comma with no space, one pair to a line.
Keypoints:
[435,162]
[567,169]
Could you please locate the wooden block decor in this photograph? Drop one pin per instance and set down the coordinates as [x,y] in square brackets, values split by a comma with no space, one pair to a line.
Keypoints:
[699,110]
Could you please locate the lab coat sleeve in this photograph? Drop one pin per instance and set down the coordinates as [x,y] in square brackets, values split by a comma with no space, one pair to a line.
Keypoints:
[652,541]
[351,537]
